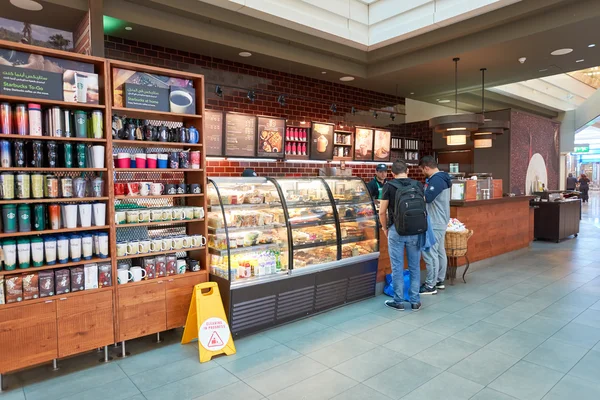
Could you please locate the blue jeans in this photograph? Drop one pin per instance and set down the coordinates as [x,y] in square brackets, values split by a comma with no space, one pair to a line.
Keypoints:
[396,244]
[436,260]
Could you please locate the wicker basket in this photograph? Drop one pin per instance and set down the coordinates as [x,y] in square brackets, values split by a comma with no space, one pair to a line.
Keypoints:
[456,243]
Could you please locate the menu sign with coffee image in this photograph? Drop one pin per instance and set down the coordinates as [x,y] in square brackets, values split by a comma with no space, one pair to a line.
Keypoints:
[363,144]
[182,100]
[146,98]
[271,132]
[240,135]
[30,83]
[383,140]
[213,132]
[321,141]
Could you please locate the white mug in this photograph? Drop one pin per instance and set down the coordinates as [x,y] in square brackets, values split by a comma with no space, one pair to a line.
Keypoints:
[181,266]
[124,276]
[133,247]
[186,242]
[145,188]
[137,273]
[85,215]
[156,188]
[198,241]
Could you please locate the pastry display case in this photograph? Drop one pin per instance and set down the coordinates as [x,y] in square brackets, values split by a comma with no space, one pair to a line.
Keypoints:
[358,222]
[247,231]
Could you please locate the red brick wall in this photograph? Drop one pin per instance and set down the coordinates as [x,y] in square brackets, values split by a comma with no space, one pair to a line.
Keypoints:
[82,36]
[308,99]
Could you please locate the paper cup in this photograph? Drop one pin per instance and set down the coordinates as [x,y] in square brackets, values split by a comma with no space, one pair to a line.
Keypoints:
[85,215]
[98,156]
[99,214]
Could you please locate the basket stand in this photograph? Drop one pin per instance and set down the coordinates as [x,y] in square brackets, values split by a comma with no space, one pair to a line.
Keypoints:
[456,247]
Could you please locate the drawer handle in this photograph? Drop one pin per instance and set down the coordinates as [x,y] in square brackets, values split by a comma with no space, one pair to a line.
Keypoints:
[49,301]
[63,298]
[171,280]
[160,282]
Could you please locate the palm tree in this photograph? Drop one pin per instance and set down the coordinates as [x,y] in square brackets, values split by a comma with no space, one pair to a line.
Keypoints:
[27,32]
[58,41]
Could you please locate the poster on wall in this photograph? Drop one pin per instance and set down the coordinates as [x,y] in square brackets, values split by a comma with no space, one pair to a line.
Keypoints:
[321,141]
[213,132]
[146,98]
[240,135]
[182,100]
[363,144]
[42,77]
[383,140]
[37,35]
[271,132]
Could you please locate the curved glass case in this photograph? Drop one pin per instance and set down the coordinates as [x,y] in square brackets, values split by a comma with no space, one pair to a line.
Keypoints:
[247,214]
[359,231]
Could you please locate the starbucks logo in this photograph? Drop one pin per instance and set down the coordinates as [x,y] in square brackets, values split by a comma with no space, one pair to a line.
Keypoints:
[80,121]
[11,215]
[25,216]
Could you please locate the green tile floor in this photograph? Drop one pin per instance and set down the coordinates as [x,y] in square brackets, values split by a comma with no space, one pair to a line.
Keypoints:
[527,329]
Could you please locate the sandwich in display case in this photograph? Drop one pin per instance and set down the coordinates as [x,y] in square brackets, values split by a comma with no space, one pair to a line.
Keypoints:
[284,248]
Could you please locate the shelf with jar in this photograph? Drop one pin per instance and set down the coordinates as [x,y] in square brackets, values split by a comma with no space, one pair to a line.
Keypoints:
[343,145]
[406,149]
[297,142]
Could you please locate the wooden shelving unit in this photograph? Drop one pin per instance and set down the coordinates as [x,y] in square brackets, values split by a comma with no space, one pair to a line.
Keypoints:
[337,146]
[162,196]
[57,200]
[53,138]
[159,253]
[158,223]
[54,231]
[47,267]
[146,144]
[46,102]
[50,170]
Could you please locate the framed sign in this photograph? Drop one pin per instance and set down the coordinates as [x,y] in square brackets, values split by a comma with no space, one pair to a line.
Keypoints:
[363,144]
[213,132]
[382,147]
[321,141]
[271,137]
[240,135]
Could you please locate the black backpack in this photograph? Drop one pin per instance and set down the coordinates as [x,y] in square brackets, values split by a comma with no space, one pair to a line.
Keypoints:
[410,214]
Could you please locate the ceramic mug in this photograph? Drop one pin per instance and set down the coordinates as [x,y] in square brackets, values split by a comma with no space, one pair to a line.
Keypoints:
[167,244]
[177,214]
[186,242]
[156,189]
[133,188]
[124,276]
[198,212]
[157,245]
[145,188]
[198,240]
[120,217]
[167,214]
[144,216]
[188,213]
[181,266]
[156,215]
[121,249]
[144,246]
[133,247]
[170,188]
[137,273]
[133,216]
[177,243]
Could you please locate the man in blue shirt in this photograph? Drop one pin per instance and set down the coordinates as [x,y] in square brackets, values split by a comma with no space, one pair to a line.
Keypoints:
[437,197]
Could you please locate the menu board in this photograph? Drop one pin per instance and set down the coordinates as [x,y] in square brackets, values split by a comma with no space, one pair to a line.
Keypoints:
[383,141]
[213,132]
[240,135]
[321,141]
[363,144]
[271,134]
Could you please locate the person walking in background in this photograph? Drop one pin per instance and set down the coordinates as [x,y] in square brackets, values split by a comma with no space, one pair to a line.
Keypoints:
[375,186]
[437,197]
[403,217]
[571,182]
[584,188]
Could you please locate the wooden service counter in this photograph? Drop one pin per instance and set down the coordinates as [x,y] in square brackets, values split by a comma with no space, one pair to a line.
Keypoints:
[499,226]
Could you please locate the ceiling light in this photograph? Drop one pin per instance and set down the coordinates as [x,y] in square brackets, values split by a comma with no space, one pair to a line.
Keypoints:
[128,28]
[245,54]
[347,78]
[456,140]
[323,72]
[251,95]
[490,128]
[482,143]
[591,45]
[522,60]
[219,91]
[447,123]
[444,101]
[412,92]
[561,52]
[578,61]
[281,100]
[456,129]
[333,108]
[28,5]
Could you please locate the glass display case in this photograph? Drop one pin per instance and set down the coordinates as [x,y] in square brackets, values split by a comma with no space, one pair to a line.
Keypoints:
[312,221]
[247,231]
[359,231]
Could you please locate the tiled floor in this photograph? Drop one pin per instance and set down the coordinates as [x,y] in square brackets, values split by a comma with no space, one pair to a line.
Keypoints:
[527,329]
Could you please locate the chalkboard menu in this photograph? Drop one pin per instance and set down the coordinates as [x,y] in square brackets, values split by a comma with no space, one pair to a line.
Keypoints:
[271,133]
[240,135]
[213,132]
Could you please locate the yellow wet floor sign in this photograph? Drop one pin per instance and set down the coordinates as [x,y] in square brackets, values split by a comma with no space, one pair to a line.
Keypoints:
[207,322]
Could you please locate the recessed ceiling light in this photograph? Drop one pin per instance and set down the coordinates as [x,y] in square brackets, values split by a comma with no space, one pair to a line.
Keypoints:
[128,28]
[245,54]
[347,78]
[412,92]
[323,72]
[561,52]
[543,69]
[28,5]
[591,45]
[582,60]
[444,101]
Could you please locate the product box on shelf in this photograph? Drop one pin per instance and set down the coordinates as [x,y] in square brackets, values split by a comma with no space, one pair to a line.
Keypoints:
[62,281]
[104,275]
[2,301]
[77,279]
[90,272]
[30,286]
[14,289]
[46,281]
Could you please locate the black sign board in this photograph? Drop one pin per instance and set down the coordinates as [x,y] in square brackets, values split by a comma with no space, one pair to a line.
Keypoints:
[213,132]
[271,137]
[240,135]
[31,83]
[321,141]
[146,97]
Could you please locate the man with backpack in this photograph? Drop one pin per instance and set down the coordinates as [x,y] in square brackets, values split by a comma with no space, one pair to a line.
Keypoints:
[437,196]
[404,221]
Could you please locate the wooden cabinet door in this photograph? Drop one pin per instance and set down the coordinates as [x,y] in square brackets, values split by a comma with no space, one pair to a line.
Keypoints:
[179,295]
[84,322]
[142,309]
[27,335]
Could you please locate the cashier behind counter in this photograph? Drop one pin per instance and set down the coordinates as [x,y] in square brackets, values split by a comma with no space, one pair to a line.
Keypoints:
[375,187]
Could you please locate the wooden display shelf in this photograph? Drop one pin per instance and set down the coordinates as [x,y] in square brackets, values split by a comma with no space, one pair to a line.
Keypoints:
[164,279]
[156,115]
[57,139]
[295,157]
[63,296]
[49,170]
[48,102]
[53,231]
[57,200]
[342,144]
[307,126]
[296,141]
[162,196]
[144,143]
[157,170]
[184,221]
[55,266]
[344,132]
[158,253]
[342,158]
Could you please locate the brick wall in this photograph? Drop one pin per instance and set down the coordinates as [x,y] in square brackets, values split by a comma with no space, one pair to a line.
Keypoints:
[308,99]
[82,36]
